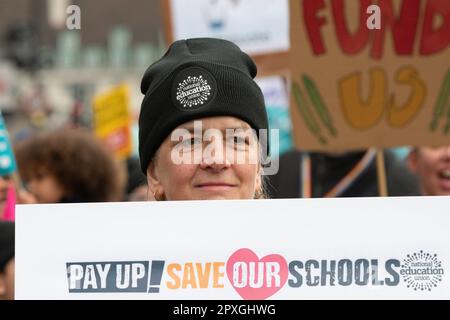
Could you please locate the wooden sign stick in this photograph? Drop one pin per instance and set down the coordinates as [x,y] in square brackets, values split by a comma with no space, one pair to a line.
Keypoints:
[381,173]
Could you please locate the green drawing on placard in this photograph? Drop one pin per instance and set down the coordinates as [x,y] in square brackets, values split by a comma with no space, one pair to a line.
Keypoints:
[306,113]
[319,105]
[440,105]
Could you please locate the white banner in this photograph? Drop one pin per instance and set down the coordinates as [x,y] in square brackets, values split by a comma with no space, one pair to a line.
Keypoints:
[344,248]
[256,26]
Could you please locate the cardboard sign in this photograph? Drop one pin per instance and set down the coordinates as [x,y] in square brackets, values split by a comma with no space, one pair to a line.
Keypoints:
[112,120]
[355,87]
[362,248]
[256,26]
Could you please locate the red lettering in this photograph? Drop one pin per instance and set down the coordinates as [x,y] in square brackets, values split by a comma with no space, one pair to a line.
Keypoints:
[350,44]
[434,41]
[313,23]
[403,28]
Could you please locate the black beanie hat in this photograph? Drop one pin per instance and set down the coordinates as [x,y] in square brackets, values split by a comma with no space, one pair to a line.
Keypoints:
[197,78]
[6,243]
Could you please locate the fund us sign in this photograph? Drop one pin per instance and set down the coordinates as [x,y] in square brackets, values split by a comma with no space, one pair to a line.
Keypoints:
[355,86]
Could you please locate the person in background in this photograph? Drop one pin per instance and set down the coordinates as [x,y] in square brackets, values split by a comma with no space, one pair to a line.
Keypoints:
[69,165]
[4,183]
[432,167]
[137,189]
[7,250]
[344,174]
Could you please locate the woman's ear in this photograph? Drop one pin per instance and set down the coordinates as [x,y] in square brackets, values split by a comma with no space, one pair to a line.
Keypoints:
[153,182]
[2,286]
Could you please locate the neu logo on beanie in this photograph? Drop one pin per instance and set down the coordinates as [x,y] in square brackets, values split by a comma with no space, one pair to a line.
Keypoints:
[193,88]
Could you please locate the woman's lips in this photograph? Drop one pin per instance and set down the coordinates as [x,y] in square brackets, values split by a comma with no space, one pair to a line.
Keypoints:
[444,184]
[445,174]
[215,186]
[444,180]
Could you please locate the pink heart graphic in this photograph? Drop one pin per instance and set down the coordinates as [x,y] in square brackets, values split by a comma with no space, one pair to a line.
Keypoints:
[254,278]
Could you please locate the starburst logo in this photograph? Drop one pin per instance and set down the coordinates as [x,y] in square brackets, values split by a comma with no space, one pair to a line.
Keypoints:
[193,91]
[422,271]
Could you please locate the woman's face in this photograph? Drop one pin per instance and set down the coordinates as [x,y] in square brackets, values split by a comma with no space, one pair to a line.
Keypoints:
[432,166]
[209,159]
[4,183]
[45,188]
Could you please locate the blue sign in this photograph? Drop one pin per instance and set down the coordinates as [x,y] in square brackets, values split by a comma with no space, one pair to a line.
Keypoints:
[7,161]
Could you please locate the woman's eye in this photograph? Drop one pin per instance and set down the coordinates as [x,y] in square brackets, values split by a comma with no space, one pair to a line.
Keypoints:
[239,142]
[191,142]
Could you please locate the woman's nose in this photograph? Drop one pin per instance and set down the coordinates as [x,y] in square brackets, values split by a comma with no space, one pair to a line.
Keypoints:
[214,157]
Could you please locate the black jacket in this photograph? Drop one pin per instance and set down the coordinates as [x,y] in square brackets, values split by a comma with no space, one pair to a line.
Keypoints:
[328,170]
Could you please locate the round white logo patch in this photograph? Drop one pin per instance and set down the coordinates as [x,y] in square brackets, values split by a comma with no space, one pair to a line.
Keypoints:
[193,88]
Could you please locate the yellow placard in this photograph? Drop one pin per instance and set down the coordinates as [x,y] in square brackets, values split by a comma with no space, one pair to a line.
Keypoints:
[112,117]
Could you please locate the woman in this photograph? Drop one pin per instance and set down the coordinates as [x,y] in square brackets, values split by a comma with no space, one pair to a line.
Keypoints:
[432,167]
[200,104]
[69,165]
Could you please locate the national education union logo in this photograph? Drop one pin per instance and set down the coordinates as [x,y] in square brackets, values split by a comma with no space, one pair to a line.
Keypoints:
[193,88]
[421,271]
[193,91]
